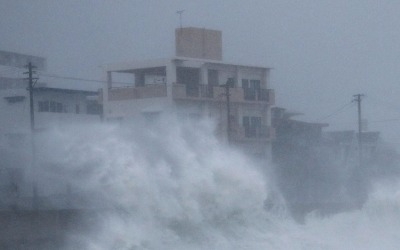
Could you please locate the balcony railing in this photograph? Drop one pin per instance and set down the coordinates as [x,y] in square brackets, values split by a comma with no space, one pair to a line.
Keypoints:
[196,92]
[128,93]
[266,95]
[199,92]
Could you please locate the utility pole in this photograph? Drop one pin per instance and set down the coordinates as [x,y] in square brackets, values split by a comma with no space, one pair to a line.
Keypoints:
[228,110]
[358,98]
[31,85]
[30,89]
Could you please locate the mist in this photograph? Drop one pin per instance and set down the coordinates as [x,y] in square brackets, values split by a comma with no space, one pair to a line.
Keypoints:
[141,185]
[171,183]
[320,52]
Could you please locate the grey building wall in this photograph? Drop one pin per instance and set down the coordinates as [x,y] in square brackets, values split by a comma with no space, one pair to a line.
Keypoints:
[198,43]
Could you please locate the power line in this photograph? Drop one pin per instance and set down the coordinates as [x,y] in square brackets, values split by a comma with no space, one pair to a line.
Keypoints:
[386,103]
[339,110]
[376,121]
[387,120]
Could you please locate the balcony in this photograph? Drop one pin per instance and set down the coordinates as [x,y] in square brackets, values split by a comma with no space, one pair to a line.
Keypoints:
[208,93]
[129,93]
[265,95]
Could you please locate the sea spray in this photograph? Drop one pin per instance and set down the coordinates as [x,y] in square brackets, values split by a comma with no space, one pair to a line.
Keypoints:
[173,185]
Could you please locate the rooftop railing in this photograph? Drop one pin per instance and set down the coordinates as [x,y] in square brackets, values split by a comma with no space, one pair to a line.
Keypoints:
[128,93]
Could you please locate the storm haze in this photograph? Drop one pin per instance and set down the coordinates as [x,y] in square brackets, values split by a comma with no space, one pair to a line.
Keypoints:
[321,52]
[258,150]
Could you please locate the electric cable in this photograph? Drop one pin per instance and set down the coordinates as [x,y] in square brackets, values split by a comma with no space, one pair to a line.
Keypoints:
[339,110]
[387,104]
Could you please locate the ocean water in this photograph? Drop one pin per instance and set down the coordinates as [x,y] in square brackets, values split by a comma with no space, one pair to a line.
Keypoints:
[173,185]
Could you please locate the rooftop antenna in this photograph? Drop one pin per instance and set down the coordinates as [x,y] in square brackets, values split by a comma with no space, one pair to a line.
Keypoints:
[180,12]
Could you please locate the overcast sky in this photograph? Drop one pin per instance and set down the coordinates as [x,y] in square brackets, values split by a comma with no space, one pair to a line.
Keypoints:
[321,52]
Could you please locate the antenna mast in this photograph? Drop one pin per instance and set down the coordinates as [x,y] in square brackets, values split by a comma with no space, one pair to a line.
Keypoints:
[180,12]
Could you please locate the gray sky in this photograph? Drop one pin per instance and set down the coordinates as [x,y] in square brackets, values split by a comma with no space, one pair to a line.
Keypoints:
[322,52]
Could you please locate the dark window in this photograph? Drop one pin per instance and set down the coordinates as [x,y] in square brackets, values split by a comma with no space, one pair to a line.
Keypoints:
[189,77]
[245,83]
[213,77]
[77,109]
[50,106]
[59,107]
[43,106]
[14,99]
[93,109]
[252,125]
[53,107]
[255,84]
[231,82]
[252,89]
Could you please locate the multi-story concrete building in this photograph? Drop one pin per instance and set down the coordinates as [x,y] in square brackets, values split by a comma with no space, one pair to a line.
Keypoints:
[194,84]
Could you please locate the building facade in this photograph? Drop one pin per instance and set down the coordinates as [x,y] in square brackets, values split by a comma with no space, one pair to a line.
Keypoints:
[196,84]
[52,106]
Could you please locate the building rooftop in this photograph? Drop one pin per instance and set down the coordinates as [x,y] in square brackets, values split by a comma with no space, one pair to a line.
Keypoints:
[151,63]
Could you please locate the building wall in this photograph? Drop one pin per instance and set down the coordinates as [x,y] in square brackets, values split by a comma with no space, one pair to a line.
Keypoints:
[193,87]
[185,80]
[14,115]
[125,109]
[198,43]
[15,108]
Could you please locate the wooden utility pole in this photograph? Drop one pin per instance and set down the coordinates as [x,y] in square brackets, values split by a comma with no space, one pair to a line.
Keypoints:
[228,112]
[31,85]
[228,85]
[357,98]
[30,89]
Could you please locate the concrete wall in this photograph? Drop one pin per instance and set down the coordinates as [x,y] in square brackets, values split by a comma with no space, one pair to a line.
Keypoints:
[16,115]
[198,43]
[126,109]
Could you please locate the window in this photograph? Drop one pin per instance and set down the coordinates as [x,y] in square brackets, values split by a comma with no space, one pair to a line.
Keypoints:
[245,83]
[252,88]
[77,109]
[14,99]
[94,109]
[252,125]
[43,106]
[251,84]
[231,82]
[51,106]
[59,107]
[213,77]
[255,84]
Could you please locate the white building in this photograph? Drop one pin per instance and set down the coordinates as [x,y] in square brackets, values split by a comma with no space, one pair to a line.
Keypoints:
[52,106]
[192,84]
